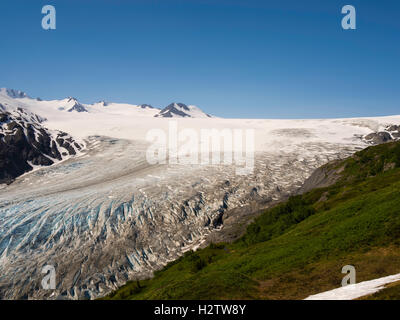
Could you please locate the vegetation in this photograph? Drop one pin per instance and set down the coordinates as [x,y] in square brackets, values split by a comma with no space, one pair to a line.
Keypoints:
[391,292]
[299,247]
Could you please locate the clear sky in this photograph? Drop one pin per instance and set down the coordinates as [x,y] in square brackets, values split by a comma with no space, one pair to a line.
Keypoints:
[232,58]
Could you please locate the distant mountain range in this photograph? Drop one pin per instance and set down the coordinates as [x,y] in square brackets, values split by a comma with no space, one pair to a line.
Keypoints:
[71,104]
[25,142]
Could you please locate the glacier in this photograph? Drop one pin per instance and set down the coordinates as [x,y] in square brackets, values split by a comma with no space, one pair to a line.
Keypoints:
[105,215]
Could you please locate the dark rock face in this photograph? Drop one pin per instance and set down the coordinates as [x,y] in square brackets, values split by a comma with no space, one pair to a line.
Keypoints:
[25,142]
[378,137]
[180,110]
[103,103]
[393,128]
[171,110]
[77,107]
[144,106]
[321,177]
[392,132]
[182,105]
[15,93]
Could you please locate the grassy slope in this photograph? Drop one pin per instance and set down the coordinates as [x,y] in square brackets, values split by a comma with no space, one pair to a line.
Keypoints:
[298,248]
[391,292]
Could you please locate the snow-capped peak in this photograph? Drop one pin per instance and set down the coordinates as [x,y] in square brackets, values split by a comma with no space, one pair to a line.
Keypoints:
[103,103]
[11,99]
[72,104]
[181,110]
[12,93]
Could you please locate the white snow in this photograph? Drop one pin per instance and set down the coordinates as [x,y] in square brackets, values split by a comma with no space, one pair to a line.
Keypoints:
[126,121]
[196,112]
[354,291]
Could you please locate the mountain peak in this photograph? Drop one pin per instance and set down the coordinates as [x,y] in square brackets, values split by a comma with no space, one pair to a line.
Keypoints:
[72,104]
[12,93]
[178,105]
[145,105]
[181,110]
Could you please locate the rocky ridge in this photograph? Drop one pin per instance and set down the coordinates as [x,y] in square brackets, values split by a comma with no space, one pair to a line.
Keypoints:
[25,143]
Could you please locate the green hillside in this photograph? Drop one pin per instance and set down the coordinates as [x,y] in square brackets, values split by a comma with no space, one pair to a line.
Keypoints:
[299,247]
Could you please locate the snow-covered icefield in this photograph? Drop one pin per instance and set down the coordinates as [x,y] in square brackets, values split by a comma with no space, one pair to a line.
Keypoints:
[106,215]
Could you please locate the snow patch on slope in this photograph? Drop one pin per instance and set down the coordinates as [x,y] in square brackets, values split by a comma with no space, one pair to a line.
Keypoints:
[354,291]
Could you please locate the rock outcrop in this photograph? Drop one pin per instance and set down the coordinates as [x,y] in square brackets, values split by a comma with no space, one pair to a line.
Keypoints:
[25,143]
[391,133]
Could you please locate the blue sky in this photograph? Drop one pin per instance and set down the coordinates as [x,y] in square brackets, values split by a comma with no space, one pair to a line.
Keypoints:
[232,58]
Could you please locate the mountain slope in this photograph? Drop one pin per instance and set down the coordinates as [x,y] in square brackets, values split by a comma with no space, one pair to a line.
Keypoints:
[298,248]
[390,292]
[68,108]
[25,143]
[73,105]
